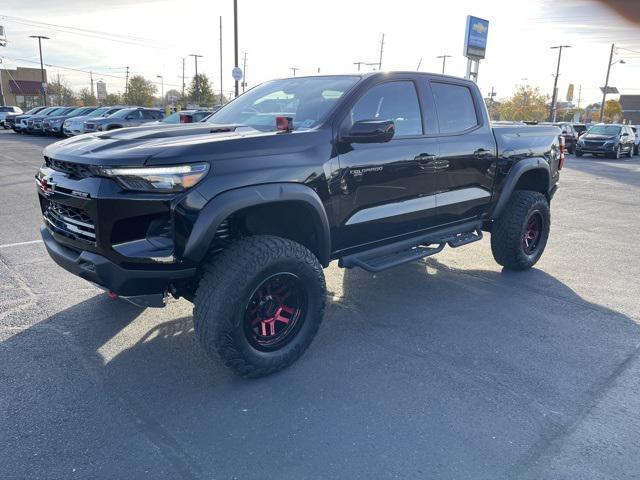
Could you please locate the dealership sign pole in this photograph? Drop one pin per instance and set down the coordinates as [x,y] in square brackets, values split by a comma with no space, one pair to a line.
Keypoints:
[475,45]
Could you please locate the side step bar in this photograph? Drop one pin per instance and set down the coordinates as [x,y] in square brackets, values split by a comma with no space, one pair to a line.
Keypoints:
[404,251]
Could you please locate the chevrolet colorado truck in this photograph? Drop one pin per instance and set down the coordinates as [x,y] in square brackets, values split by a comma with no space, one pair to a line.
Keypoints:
[240,214]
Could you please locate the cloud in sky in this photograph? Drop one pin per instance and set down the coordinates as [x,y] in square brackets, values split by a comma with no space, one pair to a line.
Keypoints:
[153,37]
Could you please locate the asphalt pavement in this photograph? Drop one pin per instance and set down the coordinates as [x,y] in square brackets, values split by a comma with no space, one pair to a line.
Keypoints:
[444,369]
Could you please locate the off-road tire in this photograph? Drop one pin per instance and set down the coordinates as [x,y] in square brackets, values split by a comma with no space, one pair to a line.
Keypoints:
[508,230]
[227,283]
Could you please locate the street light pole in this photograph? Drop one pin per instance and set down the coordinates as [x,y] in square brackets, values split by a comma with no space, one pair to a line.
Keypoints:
[295,69]
[161,88]
[196,56]
[444,60]
[44,84]
[554,100]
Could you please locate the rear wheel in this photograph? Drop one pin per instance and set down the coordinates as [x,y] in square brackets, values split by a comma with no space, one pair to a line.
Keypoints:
[259,304]
[520,235]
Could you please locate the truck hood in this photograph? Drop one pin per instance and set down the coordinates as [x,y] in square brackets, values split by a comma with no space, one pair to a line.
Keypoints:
[171,144]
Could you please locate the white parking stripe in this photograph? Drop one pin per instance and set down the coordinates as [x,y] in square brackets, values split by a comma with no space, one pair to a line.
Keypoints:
[7,245]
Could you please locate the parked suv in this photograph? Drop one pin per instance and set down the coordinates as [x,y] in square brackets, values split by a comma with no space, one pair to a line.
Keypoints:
[185,116]
[75,126]
[16,121]
[53,124]
[239,214]
[127,117]
[636,132]
[6,111]
[35,123]
[612,140]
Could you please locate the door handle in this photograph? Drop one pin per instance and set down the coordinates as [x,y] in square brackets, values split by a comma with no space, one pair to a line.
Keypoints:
[481,152]
[425,157]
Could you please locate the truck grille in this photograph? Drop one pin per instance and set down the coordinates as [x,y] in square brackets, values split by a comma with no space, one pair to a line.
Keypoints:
[593,144]
[74,170]
[69,221]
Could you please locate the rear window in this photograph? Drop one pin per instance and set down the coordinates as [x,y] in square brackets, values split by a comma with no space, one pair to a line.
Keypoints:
[456,111]
[6,109]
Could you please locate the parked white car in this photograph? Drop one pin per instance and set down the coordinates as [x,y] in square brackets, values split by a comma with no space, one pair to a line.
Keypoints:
[6,110]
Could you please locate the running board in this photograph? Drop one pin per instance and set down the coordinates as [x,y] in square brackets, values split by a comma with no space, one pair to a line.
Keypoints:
[392,255]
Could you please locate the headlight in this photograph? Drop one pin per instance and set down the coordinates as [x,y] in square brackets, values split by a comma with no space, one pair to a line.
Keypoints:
[177,178]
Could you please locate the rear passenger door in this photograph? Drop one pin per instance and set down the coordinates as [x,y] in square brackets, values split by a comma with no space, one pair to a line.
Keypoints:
[467,157]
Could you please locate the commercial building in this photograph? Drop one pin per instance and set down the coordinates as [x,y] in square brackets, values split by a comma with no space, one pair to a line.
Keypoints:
[101,91]
[630,108]
[22,87]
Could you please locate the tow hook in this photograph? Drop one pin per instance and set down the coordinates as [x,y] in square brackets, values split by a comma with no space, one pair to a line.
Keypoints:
[154,300]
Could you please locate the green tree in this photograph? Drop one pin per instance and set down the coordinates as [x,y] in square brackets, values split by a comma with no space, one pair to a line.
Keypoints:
[612,111]
[526,104]
[201,91]
[113,99]
[86,97]
[60,92]
[140,92]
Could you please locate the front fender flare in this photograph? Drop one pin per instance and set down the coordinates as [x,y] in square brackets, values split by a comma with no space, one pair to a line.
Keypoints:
[226,203]
[514,175]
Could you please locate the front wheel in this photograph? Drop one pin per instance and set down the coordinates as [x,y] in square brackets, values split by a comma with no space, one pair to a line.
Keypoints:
[259,304]
[579,153]
[616,153]
[520,235]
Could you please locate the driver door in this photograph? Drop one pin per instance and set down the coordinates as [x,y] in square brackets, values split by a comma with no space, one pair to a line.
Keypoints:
[386,189]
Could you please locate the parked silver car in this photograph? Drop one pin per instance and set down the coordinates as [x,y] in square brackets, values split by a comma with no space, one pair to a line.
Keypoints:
[75,126]
[127,117]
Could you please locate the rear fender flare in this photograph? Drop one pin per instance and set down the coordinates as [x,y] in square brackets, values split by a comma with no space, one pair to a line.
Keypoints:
[515,173]
[227,203]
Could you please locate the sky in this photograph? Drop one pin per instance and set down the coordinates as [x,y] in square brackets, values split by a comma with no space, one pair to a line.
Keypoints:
[152,38]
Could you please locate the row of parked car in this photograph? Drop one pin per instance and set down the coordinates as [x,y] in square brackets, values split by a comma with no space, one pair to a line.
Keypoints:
[610,139]
[68,121]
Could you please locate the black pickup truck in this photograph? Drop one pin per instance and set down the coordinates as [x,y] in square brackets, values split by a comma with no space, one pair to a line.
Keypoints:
[239,215]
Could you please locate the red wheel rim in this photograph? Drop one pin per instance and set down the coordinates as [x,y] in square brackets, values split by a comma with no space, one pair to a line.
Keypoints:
[532,233]
[275,312]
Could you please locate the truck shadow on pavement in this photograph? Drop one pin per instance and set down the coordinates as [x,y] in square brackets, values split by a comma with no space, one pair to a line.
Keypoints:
[427,369]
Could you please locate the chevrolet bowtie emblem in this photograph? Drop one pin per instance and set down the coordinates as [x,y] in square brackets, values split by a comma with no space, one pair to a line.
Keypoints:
[479,27]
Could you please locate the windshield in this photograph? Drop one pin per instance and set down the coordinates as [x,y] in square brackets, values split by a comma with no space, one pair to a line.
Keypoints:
[98,111]
[122,113]
[173,118]
[76,112]
[604,130]
[307,100]
[33,111]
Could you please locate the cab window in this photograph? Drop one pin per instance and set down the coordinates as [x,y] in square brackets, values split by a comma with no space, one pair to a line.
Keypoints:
[454,103]
[396,101]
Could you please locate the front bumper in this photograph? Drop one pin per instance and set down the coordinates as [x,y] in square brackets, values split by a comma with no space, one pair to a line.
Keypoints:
[105,273]
[601,149]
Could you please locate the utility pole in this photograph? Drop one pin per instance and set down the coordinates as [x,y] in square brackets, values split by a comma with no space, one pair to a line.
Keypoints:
[295,69]
[235,40]
[381,50]
[44,82]
[183,102]
[444,61]
[244,71]
[126,85]
[606,82]
[359,63]
[220,59]
[554,100]
[579,95]
[419,63]
[196,56]
[161,88]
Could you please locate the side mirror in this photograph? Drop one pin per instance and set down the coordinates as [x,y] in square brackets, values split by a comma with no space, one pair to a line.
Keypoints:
[370,131]
[625,134]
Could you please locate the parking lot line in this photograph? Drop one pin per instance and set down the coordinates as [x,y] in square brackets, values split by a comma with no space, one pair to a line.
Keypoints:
[19,244]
